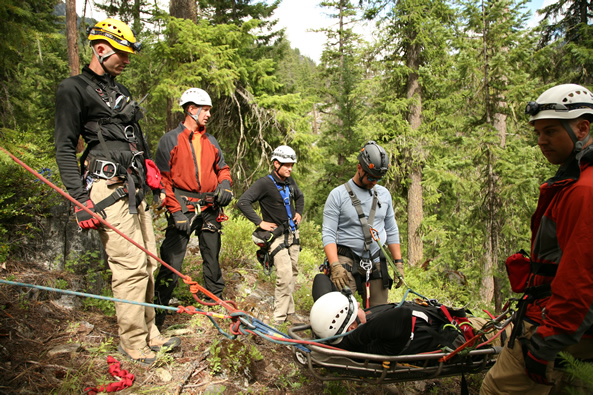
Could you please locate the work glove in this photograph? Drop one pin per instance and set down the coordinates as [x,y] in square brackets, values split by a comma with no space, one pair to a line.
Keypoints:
[181,222]
[339,275]
[535,369]
[400,268]
[223,193]
[84,219]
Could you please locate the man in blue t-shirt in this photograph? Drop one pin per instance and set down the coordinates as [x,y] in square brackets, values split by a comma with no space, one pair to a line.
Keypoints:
[350,211]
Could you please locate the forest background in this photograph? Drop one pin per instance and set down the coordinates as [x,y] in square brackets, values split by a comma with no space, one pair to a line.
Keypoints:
[442,87]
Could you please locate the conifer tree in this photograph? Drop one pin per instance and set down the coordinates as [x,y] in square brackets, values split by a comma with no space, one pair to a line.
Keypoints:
[566,44]
[490,48]
[414,34]
[340,74]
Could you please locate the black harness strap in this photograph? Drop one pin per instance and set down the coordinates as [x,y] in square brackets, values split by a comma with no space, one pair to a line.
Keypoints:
[128,135]
[366,224]
[205,198]
[531,294]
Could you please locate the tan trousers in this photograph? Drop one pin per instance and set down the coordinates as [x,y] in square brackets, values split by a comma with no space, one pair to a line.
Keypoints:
[379,294]
[286,273]
[507,376]
[132,270]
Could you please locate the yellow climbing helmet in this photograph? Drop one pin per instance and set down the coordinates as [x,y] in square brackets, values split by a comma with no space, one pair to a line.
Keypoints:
[116,33]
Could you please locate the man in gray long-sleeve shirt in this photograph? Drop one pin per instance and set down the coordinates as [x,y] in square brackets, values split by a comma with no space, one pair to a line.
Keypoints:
[281,202]
[352,254]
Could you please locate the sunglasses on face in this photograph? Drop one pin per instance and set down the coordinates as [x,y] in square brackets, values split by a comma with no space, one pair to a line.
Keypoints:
[373,179]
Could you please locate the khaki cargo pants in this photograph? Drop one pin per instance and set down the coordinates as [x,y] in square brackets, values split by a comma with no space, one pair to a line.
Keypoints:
[132,270]
[507,376]
[286,273]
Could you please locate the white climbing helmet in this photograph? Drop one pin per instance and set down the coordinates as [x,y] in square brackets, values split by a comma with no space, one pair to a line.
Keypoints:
[284,154]
[332,314]
[197,96]
[566,101]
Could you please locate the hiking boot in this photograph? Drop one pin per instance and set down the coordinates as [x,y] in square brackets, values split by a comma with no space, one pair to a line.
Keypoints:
[156,343]
[143,356]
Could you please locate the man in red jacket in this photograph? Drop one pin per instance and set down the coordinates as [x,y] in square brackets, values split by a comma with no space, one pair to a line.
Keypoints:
[558,307]
[197,184]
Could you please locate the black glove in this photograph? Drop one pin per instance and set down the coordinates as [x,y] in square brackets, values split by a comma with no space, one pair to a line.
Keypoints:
[84,219]
[535,369]
[181,222]
[223,193]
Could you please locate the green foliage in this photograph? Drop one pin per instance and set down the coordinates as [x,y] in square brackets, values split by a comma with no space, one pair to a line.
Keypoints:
[580,373]
[24,200]
[106,307]
[238,250]
[214,359]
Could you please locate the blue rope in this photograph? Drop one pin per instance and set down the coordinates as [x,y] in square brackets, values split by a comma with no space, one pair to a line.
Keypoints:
[68,292]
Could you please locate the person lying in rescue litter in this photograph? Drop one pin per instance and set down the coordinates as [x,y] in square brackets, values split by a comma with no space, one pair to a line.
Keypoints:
[383,329]
[116,174]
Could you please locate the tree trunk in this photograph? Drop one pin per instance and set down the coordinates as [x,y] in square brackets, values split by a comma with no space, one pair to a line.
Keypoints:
[170,121]
[71,37]
[184,9]
[415,200]
[490,254]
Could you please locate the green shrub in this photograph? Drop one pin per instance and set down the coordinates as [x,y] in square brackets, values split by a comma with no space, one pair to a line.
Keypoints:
[237,247]
[24,199]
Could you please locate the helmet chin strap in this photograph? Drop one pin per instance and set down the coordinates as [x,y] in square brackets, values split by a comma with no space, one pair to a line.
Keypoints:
[195,117]
[101,59]
[578,144]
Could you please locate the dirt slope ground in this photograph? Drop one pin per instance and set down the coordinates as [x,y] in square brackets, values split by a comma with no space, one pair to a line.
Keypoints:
[47,346]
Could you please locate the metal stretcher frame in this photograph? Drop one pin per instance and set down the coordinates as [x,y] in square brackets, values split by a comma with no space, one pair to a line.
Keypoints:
[378,369]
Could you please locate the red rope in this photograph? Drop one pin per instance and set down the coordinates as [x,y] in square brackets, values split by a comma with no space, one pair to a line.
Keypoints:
[126,379]
[195,286]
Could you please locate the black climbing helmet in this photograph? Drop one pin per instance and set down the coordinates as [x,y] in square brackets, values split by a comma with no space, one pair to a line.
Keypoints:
[373,159]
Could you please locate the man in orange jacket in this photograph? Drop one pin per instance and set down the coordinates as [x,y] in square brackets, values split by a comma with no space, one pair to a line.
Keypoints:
[197,184]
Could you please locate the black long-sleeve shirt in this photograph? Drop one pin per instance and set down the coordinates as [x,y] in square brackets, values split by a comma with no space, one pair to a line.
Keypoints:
[272,205]
[76,104]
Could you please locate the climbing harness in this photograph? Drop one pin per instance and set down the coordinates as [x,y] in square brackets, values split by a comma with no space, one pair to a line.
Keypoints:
[366,260]
[264,239]
[103,159]
[285,193]
[375,236]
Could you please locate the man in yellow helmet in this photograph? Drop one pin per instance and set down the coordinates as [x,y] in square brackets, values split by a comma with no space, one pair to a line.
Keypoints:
[114,179]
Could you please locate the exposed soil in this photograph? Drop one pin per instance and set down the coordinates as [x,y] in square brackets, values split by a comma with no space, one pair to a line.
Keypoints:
[47,348]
